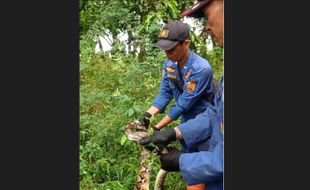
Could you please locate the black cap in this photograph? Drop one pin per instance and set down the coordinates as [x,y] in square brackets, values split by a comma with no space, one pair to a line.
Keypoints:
[196,10]
[171,34]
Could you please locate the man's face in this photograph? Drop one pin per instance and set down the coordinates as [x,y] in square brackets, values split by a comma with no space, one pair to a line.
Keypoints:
[178,51]
[215,24]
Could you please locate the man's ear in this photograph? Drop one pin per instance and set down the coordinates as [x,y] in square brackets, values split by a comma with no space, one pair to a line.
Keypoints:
[187,43]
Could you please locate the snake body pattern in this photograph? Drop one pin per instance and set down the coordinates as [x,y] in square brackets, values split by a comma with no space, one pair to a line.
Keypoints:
[135,132]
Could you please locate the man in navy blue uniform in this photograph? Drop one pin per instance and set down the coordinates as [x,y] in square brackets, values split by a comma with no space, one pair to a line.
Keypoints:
[187,78]
[202,169]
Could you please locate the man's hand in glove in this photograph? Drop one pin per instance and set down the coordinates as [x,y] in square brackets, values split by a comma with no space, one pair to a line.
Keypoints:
[145,119]
[160,138]
[170,161]
[155,128]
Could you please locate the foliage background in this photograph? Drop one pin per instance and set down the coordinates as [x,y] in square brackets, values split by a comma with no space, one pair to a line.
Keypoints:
[119,85]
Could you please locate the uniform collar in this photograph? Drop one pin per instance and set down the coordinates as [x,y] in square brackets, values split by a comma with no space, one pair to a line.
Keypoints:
[189,59]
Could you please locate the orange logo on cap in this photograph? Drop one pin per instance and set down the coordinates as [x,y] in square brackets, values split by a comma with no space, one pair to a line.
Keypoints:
[164,33]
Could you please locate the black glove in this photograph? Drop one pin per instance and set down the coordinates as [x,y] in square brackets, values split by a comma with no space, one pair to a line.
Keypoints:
[160,138]
[145,119]
[170,161]
[155,128]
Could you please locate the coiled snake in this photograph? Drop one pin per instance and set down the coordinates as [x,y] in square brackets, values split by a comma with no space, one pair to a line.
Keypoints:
[135,132]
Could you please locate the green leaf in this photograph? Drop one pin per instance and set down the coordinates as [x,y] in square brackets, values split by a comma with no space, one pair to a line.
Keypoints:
[130,112]
[116,93]
[123,139]
[137,108]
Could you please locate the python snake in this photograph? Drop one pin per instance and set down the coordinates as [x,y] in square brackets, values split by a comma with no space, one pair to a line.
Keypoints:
[135,132]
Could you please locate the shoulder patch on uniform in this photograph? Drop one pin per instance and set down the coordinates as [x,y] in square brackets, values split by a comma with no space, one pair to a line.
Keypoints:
[187,75]
[170,69]
[191,85]
[163,33]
